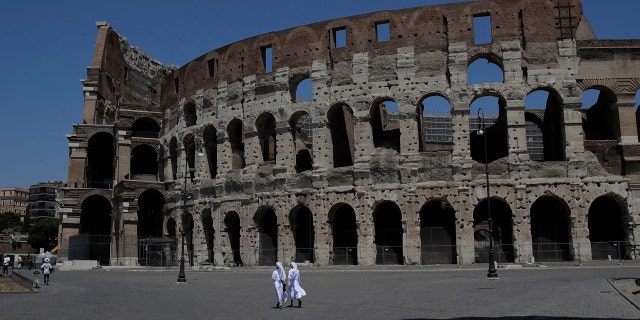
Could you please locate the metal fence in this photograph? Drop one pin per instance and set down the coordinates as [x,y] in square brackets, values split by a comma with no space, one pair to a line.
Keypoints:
[162,252]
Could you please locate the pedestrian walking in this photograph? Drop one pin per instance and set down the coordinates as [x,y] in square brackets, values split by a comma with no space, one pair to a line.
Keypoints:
[46,269]
[279,276]
[296,291]
[5,265]
[30,263]
[19,262]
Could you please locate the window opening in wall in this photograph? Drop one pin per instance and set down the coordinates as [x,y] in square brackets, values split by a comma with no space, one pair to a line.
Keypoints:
[382,31]
[522,37]
[212,65]
[589,98]
[482,29]
[484,71]
[267,59]
[436,121]
[340,37]
[599,119]
[304,91]
[177,84]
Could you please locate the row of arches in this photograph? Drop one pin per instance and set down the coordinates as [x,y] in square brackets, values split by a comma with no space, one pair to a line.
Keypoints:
[259,240]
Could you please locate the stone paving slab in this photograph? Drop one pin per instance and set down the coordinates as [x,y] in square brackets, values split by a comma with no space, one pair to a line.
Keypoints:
[334,293]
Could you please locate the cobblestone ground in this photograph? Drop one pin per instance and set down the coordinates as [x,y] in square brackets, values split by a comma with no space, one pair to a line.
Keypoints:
[334,293]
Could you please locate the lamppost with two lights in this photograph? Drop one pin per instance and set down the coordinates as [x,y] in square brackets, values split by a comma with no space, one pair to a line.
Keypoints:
[185,196]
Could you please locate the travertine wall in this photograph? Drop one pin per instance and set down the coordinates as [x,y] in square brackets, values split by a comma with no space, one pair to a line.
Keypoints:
[428,54]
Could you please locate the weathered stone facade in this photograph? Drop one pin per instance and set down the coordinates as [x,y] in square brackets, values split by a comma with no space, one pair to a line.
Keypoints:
[360,187]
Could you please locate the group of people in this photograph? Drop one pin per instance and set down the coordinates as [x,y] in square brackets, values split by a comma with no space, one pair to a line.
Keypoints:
[279,278]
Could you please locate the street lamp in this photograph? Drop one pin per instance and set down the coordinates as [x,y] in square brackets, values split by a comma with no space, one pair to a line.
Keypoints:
[185,196]
[492,273]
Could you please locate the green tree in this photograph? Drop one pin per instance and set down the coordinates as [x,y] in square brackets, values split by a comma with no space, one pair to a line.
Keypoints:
[44,234]
[10,220]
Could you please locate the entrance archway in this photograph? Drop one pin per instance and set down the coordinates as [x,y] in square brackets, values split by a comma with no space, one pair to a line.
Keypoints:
[232,223]
[301,221]
[265,219]
[437,233]
[550,232]
[502,231]
[606,231]
[388,238]
[95,230]
[345,234]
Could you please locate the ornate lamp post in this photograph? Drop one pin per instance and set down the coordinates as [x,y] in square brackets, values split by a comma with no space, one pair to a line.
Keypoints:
[492,273]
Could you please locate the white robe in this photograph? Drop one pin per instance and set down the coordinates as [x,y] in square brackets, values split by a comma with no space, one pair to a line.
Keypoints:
[278,276]
[294,283]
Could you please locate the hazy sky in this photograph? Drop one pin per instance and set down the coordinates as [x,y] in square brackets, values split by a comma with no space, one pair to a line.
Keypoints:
[46,47]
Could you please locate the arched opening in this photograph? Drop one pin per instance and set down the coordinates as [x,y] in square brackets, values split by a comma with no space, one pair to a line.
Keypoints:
[301,221]
[100,161]
[607,218]
[267,223]
[188,235]
[145,128]
[345,235]
[340,122]
[502,231]
[189,145]
[152,247]
[492,120]
[550,230]
[301,89]
[599,119]
[438,233]
[210,138]
[209,233]
[484,70]
[232,225]
[547,106]
[144,163]
[173,155]
[385,126]
[266,126]
[302,131]
[389,233]
[190,117]
[435,123]
[95,230]
[236,141]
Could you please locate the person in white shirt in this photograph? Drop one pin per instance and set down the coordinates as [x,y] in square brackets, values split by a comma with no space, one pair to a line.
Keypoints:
[6,261]
[46,269]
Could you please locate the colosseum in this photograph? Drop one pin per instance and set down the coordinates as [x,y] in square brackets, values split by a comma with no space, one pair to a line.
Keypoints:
[369,139]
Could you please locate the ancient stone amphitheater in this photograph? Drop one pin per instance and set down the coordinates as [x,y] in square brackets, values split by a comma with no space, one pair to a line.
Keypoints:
[328,143]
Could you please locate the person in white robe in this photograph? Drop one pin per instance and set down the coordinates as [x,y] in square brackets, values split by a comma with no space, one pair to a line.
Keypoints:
[279,277]
[296,291]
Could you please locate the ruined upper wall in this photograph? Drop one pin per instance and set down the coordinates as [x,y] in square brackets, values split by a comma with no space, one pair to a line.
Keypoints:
[121,75]
[428,30]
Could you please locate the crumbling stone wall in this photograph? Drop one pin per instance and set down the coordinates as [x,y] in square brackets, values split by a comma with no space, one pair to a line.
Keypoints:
[360,161]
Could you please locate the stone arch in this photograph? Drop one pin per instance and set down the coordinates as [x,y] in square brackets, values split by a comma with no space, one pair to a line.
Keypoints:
[550,229]
[190,116]
[389,232]
[344,231]
[233,230]
[210,138]
[435,123]
[266,127]
[502,218]
[173,155]
[438,233]
[494,131]
[95,224]
[232,227]
[301,222]
[267,222]
[236,142]
[100,160]
[209,233]
[144,163]
[550,110]
[599,120]
[150,214]
[485,68]
[189,145]
[340,122]
[145,127]
[302,131]
[385,127]
[607,221]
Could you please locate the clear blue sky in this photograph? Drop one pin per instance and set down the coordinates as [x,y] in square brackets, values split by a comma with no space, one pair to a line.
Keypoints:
[46,47]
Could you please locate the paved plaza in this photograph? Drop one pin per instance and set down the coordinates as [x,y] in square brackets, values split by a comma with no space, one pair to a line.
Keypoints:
[399,292]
